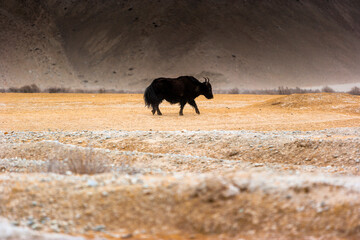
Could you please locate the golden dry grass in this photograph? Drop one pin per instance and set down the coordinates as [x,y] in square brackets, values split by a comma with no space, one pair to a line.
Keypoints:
[71,112]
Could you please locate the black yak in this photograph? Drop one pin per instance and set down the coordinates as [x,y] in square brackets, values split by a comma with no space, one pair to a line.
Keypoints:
[181,90]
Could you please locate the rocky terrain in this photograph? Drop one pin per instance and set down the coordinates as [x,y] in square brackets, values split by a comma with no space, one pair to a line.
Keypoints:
[286,182]
[209,182]
[123,45]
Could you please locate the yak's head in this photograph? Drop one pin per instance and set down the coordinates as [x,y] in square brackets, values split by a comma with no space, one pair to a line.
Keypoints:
[206,89]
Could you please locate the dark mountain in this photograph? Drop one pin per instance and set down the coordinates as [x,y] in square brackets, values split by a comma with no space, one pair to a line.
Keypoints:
[124,44]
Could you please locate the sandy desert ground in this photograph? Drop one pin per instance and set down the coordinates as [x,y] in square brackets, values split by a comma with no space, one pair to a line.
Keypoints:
[247,167]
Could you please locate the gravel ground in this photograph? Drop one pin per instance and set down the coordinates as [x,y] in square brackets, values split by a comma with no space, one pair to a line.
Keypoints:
[194,182]
[10,232]
[152,152]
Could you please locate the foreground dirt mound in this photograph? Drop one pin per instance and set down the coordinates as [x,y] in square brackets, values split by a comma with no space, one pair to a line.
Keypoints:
[340,102]
[234,204]
[185,183]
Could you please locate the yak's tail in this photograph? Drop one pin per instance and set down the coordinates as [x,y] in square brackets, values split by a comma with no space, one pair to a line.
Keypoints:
[150,96]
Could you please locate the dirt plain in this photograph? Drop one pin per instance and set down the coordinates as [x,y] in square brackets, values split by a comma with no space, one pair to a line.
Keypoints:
[247,167]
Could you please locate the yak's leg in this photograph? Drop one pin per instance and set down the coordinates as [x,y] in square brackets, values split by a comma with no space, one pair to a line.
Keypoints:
[153,108]
[158,110]
[182,104]
[193,103]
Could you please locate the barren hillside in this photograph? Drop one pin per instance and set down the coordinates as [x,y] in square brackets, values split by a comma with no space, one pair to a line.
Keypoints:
[124,44]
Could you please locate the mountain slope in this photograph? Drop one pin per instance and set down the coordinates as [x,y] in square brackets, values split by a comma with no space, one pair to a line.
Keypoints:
[237,43]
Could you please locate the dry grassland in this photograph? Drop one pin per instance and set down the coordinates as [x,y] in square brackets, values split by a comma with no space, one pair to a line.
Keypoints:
[248,167]
[72,112]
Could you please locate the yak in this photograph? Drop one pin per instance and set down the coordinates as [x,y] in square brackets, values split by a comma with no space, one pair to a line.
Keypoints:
[180,90]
